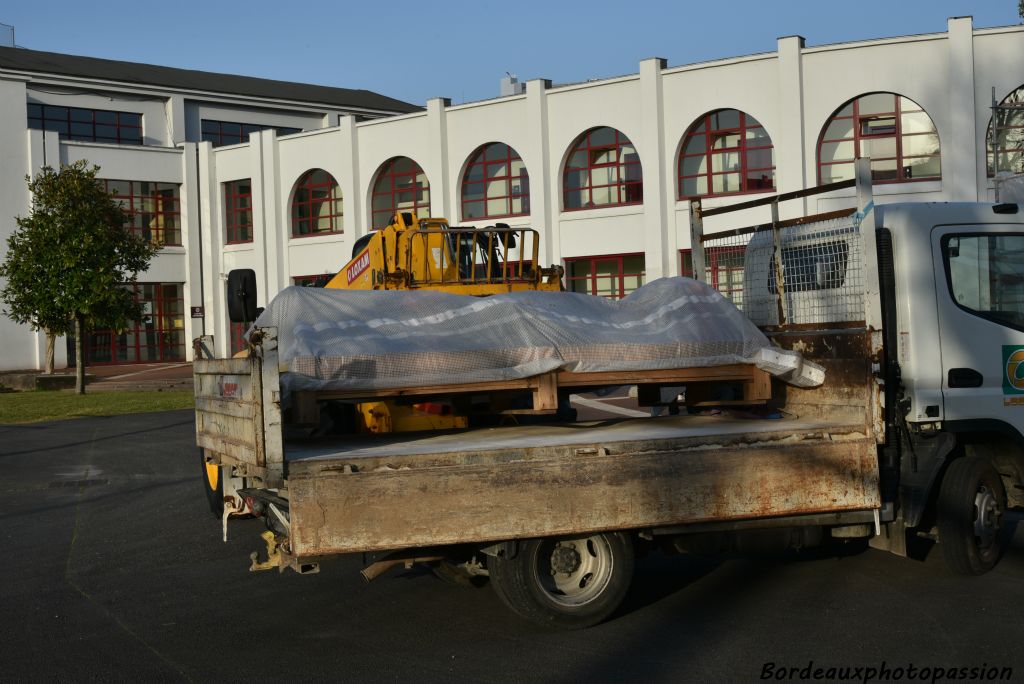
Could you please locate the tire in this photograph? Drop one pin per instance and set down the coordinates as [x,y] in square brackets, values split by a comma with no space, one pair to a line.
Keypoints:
[213,485]
[567,583]
[971,504]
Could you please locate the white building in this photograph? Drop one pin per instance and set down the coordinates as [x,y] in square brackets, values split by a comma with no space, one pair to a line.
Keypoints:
[603,170]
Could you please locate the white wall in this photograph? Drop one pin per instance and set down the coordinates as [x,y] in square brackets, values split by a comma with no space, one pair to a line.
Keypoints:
[19,346]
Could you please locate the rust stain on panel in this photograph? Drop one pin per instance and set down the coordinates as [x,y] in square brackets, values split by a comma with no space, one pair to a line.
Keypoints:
[336,513]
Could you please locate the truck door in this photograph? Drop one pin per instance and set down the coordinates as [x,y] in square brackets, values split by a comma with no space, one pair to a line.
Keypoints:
[980,300]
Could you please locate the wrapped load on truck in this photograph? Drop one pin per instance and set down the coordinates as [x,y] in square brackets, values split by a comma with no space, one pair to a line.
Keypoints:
[369,340]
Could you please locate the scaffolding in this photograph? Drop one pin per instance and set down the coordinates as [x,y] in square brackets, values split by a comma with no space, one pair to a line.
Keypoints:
[1006,143]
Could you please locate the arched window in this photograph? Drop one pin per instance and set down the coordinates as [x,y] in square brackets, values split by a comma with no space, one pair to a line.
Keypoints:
[895,132]
[401,186]
[603,170]
[316,206]
[496,184]
[726,152]
[1005,149]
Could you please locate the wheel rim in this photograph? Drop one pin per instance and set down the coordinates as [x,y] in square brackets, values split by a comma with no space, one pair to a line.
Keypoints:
[987,516]
[574,572]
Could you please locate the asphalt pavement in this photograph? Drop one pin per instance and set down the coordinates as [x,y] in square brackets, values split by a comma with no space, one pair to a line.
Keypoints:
[113,570]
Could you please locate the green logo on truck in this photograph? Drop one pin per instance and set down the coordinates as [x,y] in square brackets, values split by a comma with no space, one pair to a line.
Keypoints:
[1013,369]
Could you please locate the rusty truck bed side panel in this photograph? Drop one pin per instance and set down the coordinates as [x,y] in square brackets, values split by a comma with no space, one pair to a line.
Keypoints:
[229,410]
[238,408]
[343,505]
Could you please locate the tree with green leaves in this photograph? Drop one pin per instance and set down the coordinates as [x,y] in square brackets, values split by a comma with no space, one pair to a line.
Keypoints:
[68,263]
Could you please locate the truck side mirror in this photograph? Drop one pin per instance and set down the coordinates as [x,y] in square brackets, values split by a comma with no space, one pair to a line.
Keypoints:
[242,295]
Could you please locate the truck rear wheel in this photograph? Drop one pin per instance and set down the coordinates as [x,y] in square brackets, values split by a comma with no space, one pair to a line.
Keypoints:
[971,504]
[569,583]
[213,485]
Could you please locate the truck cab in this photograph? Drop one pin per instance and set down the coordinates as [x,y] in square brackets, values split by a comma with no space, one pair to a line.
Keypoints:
[947,349]
[958,344]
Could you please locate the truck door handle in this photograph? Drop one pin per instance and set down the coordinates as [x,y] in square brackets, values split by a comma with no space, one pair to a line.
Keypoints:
[964,377]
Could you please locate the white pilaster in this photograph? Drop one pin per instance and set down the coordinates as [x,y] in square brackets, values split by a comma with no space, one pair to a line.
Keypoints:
[277,222]
[211,244]
[192,225]
[794,160]
[543,205]
[441,192]
[357,223]
[659,253]
[959,147]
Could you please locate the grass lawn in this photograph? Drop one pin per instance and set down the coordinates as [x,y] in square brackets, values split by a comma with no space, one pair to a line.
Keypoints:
[35,407]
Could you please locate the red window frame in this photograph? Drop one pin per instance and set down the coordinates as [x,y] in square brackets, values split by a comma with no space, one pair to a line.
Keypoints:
[710,139]
[158,337]
[401,185]
[595,157]
[851,112]
[590,276]
[222,133]
[314,189]
[89,125]
[721,264]
[491,168]
[1011,136]
[153,209]
[238,221]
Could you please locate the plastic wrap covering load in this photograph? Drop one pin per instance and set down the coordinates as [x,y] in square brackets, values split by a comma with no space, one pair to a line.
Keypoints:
[366,340]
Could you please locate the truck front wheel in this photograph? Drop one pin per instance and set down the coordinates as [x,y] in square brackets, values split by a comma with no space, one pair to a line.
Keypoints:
[971,503]
[569,583]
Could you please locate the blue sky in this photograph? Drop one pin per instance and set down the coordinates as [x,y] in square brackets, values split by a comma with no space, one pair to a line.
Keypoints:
[417,50]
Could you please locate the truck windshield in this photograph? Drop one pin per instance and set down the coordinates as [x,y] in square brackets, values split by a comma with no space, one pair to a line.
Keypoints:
[986,275]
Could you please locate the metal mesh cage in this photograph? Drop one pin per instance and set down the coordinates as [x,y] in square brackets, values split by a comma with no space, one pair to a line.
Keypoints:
[821,271]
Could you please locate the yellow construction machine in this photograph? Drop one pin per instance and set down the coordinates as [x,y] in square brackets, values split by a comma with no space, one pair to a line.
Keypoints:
[412,253]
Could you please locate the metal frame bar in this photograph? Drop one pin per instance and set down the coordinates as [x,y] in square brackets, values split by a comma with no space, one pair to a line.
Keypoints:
[864,214]
[527,240]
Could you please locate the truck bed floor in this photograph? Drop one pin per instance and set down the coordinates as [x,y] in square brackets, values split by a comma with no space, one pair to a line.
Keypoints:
[555,435]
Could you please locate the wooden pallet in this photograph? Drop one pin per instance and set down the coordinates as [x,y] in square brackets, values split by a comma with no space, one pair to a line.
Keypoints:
[755,382]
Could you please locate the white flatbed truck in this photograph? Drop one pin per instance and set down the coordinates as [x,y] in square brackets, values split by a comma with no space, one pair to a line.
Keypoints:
[915,311]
